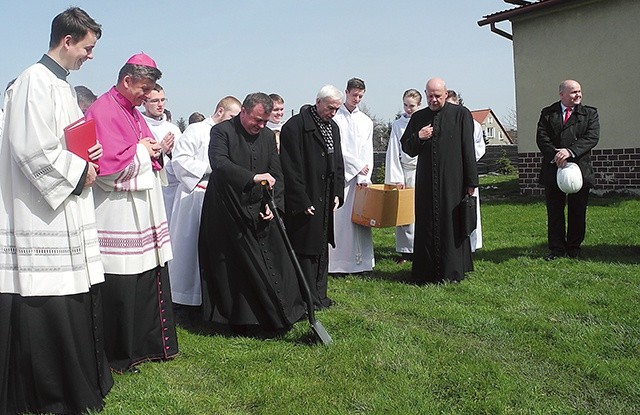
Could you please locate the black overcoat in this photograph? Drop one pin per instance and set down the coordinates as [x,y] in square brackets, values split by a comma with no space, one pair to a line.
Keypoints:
[446,168]
[311,173]
[580,134]
[247,275]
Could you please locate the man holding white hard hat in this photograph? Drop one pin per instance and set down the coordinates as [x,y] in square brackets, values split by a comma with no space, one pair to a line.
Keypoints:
[566,133]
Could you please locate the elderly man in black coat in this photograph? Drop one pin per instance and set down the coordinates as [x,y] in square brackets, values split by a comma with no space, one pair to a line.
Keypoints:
[567,131]
[313,170]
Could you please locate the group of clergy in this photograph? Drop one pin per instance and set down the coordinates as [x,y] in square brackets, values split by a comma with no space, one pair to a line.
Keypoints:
[97,245]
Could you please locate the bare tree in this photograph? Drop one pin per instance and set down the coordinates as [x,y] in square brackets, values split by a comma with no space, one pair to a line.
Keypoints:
[381,130]
[511,119]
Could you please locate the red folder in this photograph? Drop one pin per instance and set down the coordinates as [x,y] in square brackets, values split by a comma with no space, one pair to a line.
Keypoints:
[80,137]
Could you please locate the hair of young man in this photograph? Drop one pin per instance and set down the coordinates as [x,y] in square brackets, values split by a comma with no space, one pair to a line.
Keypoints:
[258,98]
[331,92]
[196,117]
[85,94]
[139,72]
[276,98]
[226,102]
[158,87]
[355,83]
[413,93]
[452,96]
[75,22]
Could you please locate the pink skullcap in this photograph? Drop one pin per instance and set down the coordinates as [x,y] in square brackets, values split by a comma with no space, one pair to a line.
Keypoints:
[143,60]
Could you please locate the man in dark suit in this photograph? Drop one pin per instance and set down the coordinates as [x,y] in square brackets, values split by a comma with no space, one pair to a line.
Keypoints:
[313,168]
[567,131]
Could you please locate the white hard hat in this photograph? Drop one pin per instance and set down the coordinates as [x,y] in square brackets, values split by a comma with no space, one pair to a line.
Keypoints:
[569,178]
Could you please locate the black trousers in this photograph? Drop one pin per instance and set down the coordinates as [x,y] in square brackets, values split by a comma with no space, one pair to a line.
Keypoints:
[316,271]
[566,239]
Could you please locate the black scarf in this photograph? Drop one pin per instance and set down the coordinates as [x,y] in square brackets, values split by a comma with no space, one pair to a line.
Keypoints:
[325,128]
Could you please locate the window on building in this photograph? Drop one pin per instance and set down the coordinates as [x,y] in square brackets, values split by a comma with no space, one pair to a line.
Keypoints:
[490,132]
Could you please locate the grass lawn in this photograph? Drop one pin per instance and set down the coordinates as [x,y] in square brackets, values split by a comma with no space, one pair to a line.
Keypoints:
[518,336]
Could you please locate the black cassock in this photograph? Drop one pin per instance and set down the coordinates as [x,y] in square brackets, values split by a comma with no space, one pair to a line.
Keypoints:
[247,275]
[446,167]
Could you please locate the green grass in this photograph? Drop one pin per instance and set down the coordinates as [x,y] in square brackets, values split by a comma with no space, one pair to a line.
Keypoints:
[518,336]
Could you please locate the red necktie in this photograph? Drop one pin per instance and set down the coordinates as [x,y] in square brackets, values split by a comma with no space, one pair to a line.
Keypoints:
[567,114]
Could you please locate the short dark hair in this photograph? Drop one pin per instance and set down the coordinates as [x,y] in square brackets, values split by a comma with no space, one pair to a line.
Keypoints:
[258,98]
[196,117]
[138,72]
[158,88]
[75,22]
[85,94]
[355,83]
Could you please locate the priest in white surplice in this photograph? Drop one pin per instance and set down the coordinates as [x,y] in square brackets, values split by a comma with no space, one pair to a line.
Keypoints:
[354,243]
[165,133]
[475,239]
[192,170]
[400,168]
[52,358]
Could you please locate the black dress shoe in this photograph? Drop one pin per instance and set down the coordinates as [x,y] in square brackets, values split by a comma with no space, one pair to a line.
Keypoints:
[551,257]
[573,254]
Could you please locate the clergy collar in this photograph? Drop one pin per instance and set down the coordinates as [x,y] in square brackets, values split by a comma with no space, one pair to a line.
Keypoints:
[155,121]
[54,67]
[121,99]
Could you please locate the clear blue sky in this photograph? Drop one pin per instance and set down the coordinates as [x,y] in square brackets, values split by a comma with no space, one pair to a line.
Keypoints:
[209,49]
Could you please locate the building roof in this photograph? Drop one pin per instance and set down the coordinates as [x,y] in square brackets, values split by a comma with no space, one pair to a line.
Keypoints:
[527,7]
[481,115]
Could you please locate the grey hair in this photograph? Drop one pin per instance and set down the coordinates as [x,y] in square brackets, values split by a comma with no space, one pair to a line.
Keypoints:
[256,98]
[330,92]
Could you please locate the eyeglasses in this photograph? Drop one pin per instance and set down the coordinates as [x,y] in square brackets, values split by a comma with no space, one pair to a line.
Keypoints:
[156,100]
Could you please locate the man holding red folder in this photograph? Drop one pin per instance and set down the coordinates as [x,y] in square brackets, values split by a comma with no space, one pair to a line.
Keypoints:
[52,358]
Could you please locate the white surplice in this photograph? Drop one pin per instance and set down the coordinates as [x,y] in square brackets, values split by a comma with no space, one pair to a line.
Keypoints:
[48,238]
[354,243]
[192,169]
[476,236]
[132,224]
[400,168]
[160,128]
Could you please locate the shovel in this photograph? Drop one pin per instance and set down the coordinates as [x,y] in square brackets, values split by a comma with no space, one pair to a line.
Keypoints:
[316,326]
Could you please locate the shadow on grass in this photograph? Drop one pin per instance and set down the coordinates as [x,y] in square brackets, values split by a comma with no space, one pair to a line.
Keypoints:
[619,254]
[208,328]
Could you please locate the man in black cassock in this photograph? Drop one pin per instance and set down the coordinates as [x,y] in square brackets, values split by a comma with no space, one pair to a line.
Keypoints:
[442,138]
[248,279]
[314,175]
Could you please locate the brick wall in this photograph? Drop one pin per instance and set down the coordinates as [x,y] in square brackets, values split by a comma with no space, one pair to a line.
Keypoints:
[615,169]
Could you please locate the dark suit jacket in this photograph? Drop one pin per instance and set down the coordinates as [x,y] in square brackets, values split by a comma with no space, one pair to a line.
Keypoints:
[580,134]
[308,169]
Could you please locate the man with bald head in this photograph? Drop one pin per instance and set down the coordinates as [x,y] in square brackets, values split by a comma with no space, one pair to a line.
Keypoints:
[567,131]
[441,135]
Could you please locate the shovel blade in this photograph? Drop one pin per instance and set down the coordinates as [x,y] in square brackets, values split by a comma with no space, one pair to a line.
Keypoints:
[321,333]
